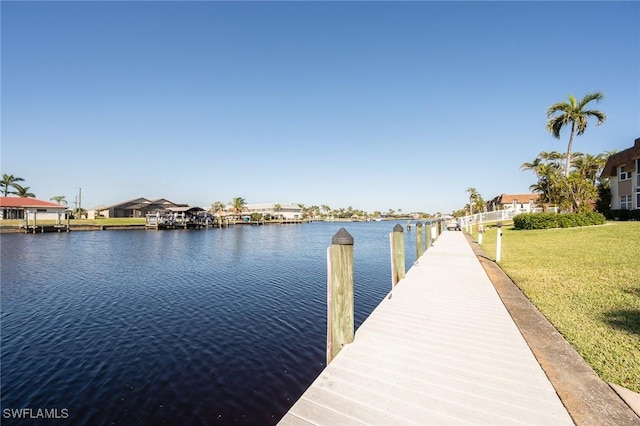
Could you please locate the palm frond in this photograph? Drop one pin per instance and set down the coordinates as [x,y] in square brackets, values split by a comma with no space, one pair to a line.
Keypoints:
[595,96]
[556,124]
[558,107]
[581,121]
[599,115]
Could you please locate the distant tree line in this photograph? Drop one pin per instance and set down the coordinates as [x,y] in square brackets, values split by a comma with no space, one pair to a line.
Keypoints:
[238,206]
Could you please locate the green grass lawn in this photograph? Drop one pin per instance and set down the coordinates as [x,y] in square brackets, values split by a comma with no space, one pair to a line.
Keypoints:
[586,281]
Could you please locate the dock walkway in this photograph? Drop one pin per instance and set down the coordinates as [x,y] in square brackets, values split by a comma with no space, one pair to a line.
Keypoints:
[441,348]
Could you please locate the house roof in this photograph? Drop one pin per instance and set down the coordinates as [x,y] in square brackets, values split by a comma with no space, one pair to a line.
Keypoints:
[622,158]
[24,202]
[510,198]
[185,209]
[139,203]
[133,203]
[164,201]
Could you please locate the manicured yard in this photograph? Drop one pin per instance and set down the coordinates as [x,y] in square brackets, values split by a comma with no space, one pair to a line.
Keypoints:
[586,281]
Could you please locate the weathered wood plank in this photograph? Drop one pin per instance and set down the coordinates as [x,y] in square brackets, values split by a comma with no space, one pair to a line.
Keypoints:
[439,349]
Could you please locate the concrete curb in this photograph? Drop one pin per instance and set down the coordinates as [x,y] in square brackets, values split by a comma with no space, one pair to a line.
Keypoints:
[631,398]
[588,399]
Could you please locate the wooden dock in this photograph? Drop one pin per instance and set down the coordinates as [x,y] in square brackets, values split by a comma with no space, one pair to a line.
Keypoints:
[182,220]
[441,348]
[39,229]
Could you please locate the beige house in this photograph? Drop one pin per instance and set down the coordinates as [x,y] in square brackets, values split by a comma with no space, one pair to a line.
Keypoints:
[518,203]
[623,169]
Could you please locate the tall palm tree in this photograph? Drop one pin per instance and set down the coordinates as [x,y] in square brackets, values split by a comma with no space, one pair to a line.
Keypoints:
[9,181]
[23,191]
[481,204]
[474,197]
[60,199]
[238,204]
[574,113]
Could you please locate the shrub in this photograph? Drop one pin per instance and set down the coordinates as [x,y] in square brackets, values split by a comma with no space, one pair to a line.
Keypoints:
[565,221]
[554,220]
[623,214]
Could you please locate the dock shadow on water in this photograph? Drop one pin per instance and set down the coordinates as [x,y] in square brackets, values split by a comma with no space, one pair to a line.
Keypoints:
[213,326]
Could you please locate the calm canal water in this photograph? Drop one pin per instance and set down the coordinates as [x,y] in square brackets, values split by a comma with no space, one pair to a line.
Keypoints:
[217,326]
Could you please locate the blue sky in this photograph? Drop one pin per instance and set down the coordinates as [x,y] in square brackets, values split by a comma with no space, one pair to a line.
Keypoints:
[374,105]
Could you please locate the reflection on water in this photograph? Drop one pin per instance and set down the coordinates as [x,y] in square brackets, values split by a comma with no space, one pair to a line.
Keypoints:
[198,327]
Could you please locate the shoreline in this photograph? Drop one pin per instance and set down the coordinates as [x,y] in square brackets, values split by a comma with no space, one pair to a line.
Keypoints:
[19,228]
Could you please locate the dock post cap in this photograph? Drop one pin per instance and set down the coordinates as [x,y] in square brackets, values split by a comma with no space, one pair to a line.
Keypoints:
[343,238]
[419,224]
[398,228]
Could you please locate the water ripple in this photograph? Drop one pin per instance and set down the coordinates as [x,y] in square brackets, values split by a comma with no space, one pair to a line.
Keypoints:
[204,327]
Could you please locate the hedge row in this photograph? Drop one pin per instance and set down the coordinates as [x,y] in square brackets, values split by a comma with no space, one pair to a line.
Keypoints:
[622,214]
[555,220]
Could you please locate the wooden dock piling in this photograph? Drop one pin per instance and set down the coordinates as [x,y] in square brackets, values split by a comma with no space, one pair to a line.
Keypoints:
[419,249]
[397,255]
[340,304]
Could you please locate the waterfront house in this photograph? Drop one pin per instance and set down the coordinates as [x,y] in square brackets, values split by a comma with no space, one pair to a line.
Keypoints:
[623,168]
[518,203]
[138,207]
[275,210]
[25,207]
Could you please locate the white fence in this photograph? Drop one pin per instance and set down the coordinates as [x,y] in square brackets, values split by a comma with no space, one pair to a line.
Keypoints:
[498,215]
